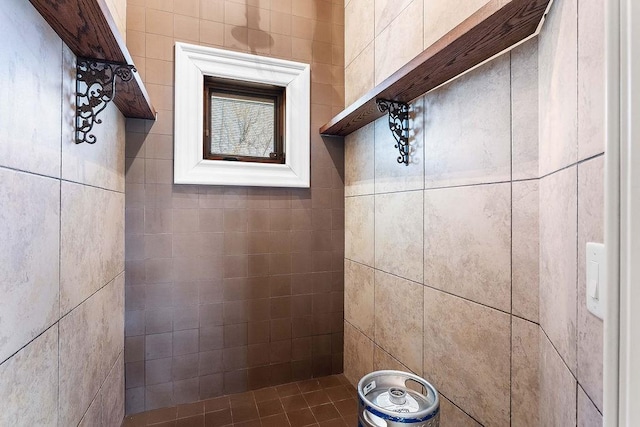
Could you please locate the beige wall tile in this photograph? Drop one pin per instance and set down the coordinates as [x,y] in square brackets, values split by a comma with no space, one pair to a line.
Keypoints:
[358,28]
[358,354]
[359,229]
[468,130]
[398,234]
[525,249]
[100,249]
[557,388]
[467,355]
[159,22]
[34,120]
[29,384]
[112,395]
[399,318]
[359,296]
[525,384]
[557,65]
[558,257]
[468,243]
[452,416]
[394,176]
[359,162]
[588,414]
[393,49]
[90,342]
[187,7]
[29,255]
[440,17]
[100,164]
[591,79]
[185,28]
[136,18]
[386,11]
[359,75]
[524,110]
[590,229]
[384,361]
[118,10]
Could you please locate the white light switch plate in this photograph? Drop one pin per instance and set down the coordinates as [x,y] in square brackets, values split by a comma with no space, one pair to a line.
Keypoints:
[596,278]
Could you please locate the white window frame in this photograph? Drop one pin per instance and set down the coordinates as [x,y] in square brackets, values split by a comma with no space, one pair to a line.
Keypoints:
[192,63]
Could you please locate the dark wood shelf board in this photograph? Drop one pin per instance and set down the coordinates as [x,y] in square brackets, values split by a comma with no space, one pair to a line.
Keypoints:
[492,29]
[88,28]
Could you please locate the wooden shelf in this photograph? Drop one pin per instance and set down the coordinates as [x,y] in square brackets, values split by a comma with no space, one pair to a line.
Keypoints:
[495,27]
[88,28]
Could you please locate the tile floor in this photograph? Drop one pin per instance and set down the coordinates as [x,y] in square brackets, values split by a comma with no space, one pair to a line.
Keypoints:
[321,402]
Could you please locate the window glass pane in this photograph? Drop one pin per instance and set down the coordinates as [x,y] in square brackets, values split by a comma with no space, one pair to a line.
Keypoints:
[242,126]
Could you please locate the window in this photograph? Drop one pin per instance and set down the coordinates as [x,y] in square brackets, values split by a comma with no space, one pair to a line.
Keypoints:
[243,121]
[271,93]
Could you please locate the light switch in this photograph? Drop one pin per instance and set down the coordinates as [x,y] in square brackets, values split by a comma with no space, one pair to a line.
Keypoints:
[596,278]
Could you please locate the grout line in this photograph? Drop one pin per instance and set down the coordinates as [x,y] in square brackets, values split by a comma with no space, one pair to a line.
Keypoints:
[11,356]
[558,353]
[590,399]
[511,239]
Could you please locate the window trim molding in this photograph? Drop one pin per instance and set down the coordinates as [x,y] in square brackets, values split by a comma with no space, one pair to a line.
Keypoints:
[192,63]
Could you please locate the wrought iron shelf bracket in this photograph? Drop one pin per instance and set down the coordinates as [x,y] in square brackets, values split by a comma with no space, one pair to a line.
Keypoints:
[95,88]
[398,124]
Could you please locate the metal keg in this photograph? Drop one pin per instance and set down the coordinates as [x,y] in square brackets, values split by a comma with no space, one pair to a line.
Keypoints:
[385,399]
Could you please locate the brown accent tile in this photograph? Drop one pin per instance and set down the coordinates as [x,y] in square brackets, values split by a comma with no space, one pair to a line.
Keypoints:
[218,418]
[339,393]
[193,421]
[259,377]
[279,420]
[270,407]
[245,412]
[325,412]
[190,409]
[287,390]
[258,332]
[347,407]
[301,418]
[258,355]
[294,403]
[217,404]
[318,397]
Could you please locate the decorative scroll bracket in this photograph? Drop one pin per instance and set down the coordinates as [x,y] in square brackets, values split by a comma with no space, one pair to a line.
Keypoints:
[399,125]
[95,88]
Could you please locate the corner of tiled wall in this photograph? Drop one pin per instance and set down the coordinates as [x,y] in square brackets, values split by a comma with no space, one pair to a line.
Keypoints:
[231,288]
[504,190]
[62,329]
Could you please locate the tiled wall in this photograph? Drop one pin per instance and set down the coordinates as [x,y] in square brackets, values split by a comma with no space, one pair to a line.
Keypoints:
[466,266]
[62,234]
[231,288]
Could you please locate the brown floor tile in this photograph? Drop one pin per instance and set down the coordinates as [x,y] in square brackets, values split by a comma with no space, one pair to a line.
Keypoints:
[309,385]
[241,399]
[288,389]
[336,422]
[242,413]
[279,420]
[190,409]
[351,419]
[347,407]
[159,415]
[301,418]
[194,421]
[325,412]
[218,418]
[252,423]
[270,407]
[268,393]
[331,381]
[216,404]
[316,398]
[338,393]
[135,420]
[171,423]
[294,403]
